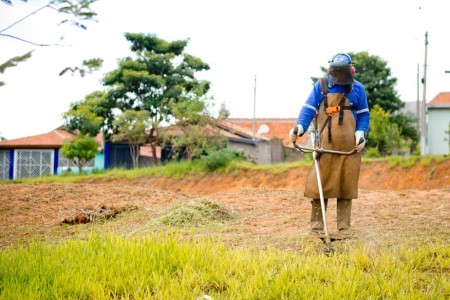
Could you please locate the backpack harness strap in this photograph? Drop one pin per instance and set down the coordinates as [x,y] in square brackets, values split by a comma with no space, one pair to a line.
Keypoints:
[330,110]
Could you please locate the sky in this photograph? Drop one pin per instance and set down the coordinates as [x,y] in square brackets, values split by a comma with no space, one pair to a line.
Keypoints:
[261,53]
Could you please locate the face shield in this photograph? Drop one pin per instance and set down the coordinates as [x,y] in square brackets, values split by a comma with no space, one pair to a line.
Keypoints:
[340,73]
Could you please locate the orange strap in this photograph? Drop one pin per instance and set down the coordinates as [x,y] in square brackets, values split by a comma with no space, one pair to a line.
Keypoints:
[330,110]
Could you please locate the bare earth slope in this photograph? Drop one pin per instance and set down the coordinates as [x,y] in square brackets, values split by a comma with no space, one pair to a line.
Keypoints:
[395,205]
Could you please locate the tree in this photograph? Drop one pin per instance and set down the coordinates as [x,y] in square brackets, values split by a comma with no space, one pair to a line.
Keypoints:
[131,127]
[385,135]
[159,73]
[88,116]
[376,76]
[75,13]
[80,150]
[224,112]
[195,132]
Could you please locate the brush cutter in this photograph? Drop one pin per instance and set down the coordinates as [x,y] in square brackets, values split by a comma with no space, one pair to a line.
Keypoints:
[316,151]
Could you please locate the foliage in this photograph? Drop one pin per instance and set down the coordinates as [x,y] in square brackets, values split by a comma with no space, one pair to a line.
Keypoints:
[384,134]
[13,62]
[88,116]
[80,150]
[159,75]
[194,132]
[87,67]
[131,127]
[171,266]
[224,112]
[376,76]
[371,152]
[76,11]
[219,159]
[407,126]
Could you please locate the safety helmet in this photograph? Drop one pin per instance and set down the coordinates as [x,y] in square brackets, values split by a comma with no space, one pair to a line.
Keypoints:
[341,58]
[341,69]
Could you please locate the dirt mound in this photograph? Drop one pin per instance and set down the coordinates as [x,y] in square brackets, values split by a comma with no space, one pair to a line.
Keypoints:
[374,176]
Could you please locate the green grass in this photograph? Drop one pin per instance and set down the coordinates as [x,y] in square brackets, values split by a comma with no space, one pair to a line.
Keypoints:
[167,266]
[406,162]
[182,169]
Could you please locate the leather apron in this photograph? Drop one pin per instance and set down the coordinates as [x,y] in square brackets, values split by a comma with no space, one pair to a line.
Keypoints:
[339,173]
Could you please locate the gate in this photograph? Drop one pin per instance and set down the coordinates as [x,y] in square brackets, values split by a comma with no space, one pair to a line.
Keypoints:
[120,157]
[33,163]
[4,164]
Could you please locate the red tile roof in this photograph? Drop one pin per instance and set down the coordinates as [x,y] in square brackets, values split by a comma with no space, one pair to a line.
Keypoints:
[226,128]
[271,128]
[232,129]
[442,99]
[53,139]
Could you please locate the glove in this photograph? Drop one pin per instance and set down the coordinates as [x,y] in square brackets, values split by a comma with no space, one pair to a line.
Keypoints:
[295,133]
[360,140]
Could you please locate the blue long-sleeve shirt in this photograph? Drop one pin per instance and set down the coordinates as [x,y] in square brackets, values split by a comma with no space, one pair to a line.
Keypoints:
[356,97]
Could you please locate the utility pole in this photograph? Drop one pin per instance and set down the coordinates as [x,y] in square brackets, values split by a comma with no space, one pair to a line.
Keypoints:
[418,101]
[423,129]
[254,110]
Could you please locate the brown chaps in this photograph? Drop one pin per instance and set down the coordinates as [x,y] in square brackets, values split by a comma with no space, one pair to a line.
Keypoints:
[344,211]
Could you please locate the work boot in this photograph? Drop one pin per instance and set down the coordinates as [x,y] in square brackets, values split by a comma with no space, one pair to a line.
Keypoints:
[344,212]
[316,216]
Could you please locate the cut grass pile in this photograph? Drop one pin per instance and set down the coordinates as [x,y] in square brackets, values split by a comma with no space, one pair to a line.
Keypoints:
[196,213]
[167,266]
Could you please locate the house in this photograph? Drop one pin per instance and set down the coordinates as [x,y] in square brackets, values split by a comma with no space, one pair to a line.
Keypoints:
[274,129]
[39,155]
[438,136]
[256,148]
[261,148]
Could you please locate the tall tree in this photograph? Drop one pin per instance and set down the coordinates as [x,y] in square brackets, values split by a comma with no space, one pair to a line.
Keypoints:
[88,116]
[194,132]
[131,127]
[158,73]
[376,76]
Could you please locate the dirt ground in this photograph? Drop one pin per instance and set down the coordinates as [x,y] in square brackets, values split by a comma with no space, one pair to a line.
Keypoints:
[395,206]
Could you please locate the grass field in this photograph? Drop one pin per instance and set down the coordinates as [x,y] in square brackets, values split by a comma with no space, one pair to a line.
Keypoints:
[168,266]
[249,242]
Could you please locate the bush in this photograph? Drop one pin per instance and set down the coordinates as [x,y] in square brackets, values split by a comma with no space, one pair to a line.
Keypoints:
[217,159]
[372,152]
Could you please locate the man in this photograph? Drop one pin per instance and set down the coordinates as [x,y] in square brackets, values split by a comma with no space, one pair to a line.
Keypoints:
[340,104]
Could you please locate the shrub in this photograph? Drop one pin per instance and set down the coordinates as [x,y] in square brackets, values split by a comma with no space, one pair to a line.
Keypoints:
[372,152]
[217,159]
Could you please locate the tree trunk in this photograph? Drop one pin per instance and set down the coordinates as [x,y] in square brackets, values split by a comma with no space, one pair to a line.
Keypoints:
[134,151]
[153,141]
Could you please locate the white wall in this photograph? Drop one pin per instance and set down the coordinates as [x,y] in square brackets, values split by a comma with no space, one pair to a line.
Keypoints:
[438,124]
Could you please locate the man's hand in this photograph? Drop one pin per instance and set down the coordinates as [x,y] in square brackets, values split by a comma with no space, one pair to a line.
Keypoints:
[360,140]
[295,133]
